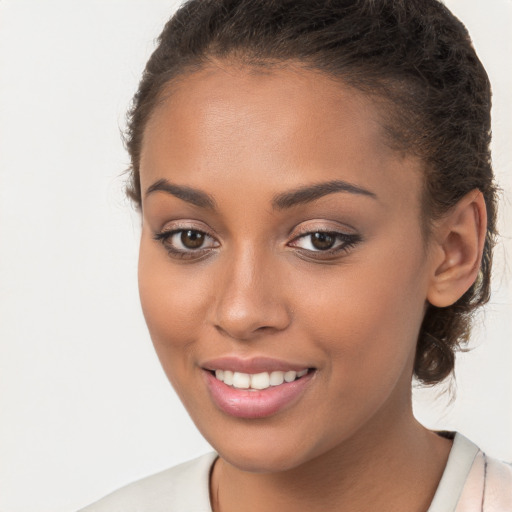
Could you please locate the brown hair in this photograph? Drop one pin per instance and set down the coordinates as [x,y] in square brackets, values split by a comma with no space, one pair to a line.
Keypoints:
[413,54]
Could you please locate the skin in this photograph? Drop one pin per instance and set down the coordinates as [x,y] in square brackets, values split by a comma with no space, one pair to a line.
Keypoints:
[258,287]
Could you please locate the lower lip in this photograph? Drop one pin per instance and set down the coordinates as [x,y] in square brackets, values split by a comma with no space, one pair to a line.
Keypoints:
[243,403]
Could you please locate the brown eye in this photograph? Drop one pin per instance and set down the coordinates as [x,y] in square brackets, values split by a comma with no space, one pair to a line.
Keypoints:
[322,241]
[186,243]
[322,244]
[192,239]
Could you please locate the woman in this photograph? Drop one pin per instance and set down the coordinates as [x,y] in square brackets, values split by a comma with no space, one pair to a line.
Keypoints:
[318,216]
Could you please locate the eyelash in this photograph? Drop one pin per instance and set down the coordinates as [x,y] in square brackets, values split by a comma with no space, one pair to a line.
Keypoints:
[348,242]
[164,236]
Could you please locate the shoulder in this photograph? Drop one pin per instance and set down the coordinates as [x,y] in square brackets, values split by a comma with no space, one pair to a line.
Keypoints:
[488,486]
[498,491]
[183,488]
[472,481]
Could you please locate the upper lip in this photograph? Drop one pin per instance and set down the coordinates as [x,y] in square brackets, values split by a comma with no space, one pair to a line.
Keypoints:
[252,365]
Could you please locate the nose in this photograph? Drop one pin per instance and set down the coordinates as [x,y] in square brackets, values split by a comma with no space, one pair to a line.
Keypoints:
[250,301]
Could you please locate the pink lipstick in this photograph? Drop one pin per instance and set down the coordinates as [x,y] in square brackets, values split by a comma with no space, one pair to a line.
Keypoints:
[255,388]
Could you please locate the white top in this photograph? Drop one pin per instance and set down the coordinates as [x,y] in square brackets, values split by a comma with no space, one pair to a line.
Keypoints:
[471,482]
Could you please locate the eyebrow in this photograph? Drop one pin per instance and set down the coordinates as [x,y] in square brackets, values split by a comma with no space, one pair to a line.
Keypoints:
[309,193]
[282,201]
[188,194]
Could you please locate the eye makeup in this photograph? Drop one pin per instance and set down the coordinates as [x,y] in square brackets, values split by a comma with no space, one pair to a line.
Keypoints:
[190,243]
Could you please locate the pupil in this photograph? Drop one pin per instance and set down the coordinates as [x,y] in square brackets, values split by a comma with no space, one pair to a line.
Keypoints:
[192,239]
[322,241]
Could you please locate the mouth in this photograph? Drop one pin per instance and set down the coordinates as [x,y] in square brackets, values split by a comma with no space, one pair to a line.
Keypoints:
[256,392]
[258,381]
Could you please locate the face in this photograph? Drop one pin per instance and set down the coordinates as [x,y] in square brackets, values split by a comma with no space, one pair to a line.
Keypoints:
[282,271]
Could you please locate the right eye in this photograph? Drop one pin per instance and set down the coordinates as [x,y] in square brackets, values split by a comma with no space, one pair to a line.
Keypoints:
[186,243]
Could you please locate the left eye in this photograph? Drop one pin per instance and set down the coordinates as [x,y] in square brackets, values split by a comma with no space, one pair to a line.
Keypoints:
[324,241]
[183,241]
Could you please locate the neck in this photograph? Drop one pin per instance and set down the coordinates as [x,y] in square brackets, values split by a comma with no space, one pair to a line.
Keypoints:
[387,466]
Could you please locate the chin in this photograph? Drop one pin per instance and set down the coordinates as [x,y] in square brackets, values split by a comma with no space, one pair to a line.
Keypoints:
[262,452]
[262,461]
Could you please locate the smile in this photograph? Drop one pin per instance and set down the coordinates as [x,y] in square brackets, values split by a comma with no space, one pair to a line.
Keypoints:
[257,388]
[258,381]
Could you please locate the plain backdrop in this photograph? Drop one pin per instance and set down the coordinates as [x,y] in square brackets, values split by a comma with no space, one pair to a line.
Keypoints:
[84,405]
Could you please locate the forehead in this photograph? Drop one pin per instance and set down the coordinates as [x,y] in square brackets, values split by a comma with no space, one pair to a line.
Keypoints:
[279,125]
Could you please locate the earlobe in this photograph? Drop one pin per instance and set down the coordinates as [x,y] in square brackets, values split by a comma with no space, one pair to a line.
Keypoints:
[459,239]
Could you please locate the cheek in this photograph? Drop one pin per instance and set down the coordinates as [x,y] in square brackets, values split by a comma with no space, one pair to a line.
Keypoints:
[367,315]
[173,302]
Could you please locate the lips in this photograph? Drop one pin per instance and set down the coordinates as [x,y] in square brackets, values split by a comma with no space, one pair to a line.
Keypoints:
[255,388]
[252,365]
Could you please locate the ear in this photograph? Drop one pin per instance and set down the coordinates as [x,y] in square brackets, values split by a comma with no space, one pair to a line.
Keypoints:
[459,239]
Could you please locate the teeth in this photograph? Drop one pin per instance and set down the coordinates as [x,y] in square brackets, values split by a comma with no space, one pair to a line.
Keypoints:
[228,377]
[258,381]
[276,378]
[290,376]
[241,380]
